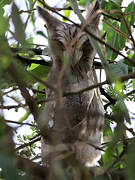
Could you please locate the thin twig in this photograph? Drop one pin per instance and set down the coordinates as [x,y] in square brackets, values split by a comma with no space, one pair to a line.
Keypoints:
[86,89]
[7,92]
[27,11]
[44,62]
[37,135]
[20,123]
[37,51]
[112,101]
[71,93]
[12,106]
[128,28]
[25,25]
[111,17]
[28,144]
[36,61]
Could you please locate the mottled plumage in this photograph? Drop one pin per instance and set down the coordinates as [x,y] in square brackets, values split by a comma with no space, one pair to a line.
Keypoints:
[76,119]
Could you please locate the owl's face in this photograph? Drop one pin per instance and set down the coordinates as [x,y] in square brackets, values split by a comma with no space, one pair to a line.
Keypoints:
[67,43]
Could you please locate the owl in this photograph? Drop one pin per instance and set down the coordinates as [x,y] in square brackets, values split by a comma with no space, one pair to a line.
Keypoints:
[77,120]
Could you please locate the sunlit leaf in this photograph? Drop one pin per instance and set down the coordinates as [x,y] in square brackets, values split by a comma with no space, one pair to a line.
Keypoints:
[66,14]
[26,115]
[41,71]
[119,87]
[83,2]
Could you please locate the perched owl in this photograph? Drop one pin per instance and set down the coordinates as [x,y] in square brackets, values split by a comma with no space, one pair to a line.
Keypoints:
[77,120]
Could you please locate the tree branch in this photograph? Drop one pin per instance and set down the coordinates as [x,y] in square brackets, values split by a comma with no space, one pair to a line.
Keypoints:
[12,107]
[28,144]
[121,79]
[20,123]
[37,51]
[112,101]
[36,61]
[30,101]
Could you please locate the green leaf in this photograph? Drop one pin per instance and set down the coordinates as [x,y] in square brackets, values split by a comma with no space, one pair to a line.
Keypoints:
[26,115]
[3,23]
[66,14]
[118,69]
[119,88]
[4,2]
[122,38]
[108,156]
[42,34]
[83,2]
[115,39]
[40,71]
[130,18]
[107,128]
[19,27]
[111,5]
[123,27]
[30,40]
[130,65]
[118,2]
[120,110]
[112,38]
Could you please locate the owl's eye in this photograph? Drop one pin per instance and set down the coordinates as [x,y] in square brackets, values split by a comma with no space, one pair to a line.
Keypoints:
[85,45]
[61,45]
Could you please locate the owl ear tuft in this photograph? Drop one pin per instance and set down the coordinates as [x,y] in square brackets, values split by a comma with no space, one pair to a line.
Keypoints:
[91,8]
[50,20]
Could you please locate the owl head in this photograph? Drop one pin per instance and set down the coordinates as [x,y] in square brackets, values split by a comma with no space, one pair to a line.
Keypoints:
[66,41]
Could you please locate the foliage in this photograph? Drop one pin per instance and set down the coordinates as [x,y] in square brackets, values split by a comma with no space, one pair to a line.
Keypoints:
[24,68]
